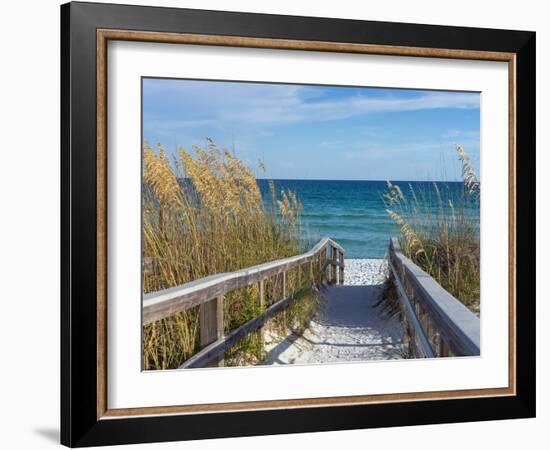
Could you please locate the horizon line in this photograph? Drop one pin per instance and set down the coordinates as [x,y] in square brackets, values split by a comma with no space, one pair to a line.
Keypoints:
[362,179]
[392,180]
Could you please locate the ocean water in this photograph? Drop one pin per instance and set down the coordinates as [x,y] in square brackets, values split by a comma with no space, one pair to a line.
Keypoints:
[352,212]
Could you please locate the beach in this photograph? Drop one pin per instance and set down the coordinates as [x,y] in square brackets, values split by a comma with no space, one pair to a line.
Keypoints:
[348,326]
[364,271]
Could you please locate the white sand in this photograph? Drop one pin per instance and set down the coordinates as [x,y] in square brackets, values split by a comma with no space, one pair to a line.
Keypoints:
[347,327]
[364,271]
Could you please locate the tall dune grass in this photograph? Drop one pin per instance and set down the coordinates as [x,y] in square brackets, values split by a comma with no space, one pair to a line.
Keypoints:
[203,214]
[439,231]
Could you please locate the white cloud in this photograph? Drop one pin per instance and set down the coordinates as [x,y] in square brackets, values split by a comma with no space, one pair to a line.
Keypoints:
[293,109]
[271,104]
[461,134]
[423,150]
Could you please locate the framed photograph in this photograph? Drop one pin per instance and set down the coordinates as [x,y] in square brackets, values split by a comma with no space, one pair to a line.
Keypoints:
[277,224]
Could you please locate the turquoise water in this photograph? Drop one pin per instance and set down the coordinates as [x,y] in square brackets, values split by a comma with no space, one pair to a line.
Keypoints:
[352,212]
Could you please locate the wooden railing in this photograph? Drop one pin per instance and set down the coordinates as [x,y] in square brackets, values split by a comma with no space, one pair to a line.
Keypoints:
[438,324]
[208,293]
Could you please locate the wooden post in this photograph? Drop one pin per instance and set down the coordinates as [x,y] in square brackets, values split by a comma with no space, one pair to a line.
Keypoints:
[423,319]
[284,284]
[336,267]
[211,325]
[330,267]
[341,259]
[275,281]
[262,293]
[406,335]
[437,344]
[429,329]
[333,271]
[413,342]
[262,331]
[311,272]
[323,261]
[443,349]
[299,276]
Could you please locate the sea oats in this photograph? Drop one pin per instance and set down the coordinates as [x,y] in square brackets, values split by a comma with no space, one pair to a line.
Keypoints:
[438,233]
[468,173]
[203,214]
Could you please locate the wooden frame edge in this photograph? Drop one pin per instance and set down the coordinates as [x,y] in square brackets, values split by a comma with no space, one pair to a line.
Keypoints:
[101,225]
[512,199]
[290,44]
[304,403]
[103,35]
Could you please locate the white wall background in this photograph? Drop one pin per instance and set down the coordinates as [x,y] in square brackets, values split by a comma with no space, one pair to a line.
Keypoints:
[29,225]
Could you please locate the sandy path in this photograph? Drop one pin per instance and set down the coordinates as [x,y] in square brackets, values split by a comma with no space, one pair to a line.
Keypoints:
[347,327]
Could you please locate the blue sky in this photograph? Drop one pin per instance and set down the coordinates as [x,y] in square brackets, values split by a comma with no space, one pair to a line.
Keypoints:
[318,132]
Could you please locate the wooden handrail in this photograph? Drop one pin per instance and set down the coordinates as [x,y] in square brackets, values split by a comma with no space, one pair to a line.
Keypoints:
[208,293]
[455,325]
[217,348]
[167,302]
[422,344]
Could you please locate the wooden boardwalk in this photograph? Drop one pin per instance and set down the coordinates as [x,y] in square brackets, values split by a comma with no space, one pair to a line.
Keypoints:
[347,328]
